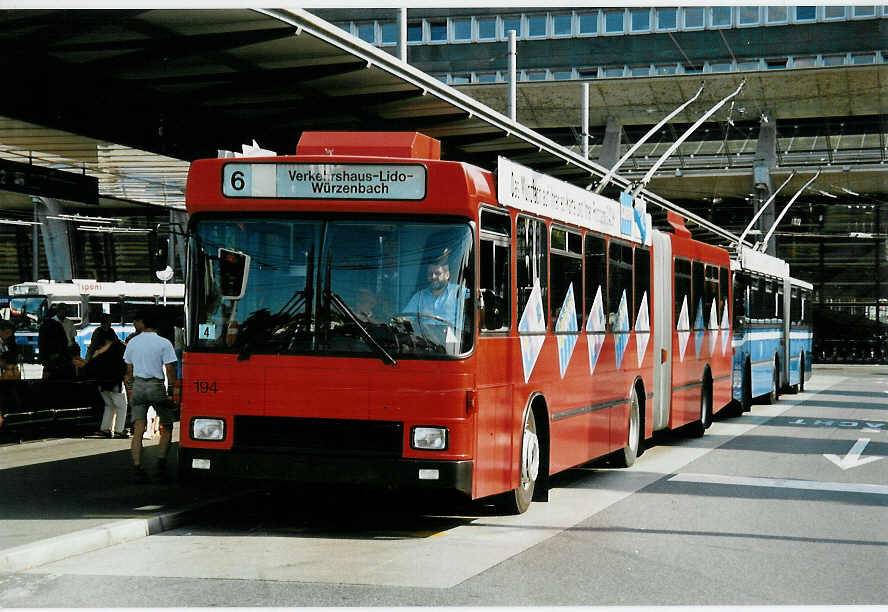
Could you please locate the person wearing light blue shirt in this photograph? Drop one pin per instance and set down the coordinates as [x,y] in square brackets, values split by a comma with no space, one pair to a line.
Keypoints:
[437,305]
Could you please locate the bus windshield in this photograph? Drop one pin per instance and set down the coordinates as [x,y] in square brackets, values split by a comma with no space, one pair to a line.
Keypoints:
[385,288]
[27,313]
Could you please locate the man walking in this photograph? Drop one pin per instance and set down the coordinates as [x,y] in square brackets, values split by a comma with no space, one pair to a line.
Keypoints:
[147,356]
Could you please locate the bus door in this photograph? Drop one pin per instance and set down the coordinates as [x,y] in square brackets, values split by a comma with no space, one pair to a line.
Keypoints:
[493,419]
[663,328]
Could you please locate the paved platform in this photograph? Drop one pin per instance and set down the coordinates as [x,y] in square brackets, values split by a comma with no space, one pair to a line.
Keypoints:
[65,496]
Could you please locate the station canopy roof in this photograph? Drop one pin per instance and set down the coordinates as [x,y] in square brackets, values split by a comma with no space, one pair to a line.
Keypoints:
[132,96]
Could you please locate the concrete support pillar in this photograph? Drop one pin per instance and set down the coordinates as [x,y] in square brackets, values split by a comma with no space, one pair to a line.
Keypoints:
[55,239]
[513,77]
[402,34]
[763,187]
[610,147]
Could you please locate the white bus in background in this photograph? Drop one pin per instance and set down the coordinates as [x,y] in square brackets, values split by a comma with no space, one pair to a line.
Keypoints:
[87,300]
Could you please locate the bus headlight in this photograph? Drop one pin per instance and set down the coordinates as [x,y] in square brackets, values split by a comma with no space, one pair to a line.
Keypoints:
[429,438]
[207,429]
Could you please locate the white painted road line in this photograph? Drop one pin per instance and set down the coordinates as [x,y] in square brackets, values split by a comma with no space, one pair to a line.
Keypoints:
[781,483]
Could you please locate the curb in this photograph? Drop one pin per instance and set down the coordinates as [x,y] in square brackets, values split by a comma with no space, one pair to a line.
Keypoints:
[50,550]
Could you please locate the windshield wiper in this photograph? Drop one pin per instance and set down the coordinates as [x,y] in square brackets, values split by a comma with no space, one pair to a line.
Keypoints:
[384,354]
[299,303]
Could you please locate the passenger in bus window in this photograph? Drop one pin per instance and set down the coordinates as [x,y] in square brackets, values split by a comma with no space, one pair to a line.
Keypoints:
[365,306]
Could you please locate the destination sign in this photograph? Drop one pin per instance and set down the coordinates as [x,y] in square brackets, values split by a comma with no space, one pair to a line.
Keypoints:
[537,193]
[324,181]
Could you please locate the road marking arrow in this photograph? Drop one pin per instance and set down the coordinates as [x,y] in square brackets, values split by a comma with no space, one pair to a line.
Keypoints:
[853,459]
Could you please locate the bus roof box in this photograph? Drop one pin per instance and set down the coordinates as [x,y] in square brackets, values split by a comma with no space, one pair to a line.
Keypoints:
[677,223]
[370,144]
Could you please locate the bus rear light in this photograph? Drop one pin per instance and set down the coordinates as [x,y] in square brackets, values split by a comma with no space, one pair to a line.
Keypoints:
[200,464]
[429,438]
[207,429]
[429,474]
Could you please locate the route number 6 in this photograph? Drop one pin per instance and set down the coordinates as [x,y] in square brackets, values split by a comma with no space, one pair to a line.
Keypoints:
[237,180]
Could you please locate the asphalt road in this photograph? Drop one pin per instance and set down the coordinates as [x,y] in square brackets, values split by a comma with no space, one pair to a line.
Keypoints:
[784,505]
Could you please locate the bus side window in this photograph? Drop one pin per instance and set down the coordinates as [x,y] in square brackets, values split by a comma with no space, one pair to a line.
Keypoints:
[642,281]
[699,311]
[741,286]
[723,294]
[806,308]
[681,290]
[795,307]
[769,306]
[495,273]
[755,298]
[710,295]
[619,270]
[567,271]
[532,251]
[779,299]
[596,278]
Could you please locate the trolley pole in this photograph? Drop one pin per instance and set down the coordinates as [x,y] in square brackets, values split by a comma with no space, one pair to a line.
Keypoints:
[513,71]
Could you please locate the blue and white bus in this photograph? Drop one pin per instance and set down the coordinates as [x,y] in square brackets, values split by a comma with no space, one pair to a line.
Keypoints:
[87,300]
[772,339]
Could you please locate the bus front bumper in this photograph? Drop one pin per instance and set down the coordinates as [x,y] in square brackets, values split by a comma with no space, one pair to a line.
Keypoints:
[323,469]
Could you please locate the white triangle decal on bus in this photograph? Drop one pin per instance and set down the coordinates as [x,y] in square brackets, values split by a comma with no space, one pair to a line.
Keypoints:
[725,328]
[532,330]
[595,330]
[642,328]
[684,329]
[713,327]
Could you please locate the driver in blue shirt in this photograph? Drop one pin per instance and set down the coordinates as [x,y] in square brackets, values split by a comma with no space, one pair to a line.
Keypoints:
[439,302]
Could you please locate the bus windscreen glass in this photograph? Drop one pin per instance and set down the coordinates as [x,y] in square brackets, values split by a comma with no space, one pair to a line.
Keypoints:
[27,313]
[338,287]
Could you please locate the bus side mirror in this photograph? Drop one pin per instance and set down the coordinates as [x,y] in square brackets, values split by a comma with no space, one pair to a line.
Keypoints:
[234,268]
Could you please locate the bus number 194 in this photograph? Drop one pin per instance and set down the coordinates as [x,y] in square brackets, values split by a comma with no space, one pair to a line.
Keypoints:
[203,386]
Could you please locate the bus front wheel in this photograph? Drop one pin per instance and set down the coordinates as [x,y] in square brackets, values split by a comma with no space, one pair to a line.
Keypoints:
[518,500]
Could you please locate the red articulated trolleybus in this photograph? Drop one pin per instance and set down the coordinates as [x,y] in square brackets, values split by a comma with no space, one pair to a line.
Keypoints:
[364,312]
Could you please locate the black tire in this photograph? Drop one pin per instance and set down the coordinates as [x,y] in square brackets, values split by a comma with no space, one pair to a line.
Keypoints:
[774,394]
[518,500]
[628,454]
[802,374]
[699,427]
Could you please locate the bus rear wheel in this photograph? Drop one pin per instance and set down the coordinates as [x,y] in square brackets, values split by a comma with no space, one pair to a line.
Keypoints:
[518,500]
[629,453]
[802,374]
[698,428]
[774,394]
